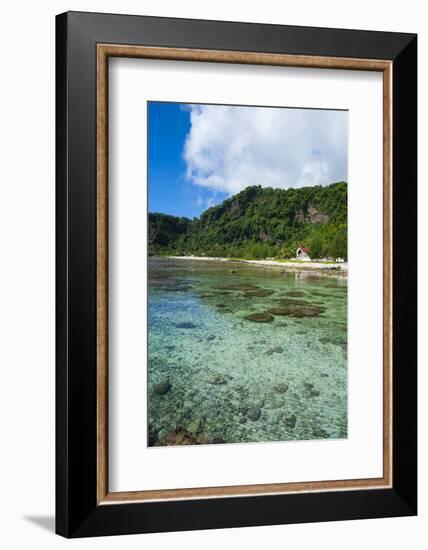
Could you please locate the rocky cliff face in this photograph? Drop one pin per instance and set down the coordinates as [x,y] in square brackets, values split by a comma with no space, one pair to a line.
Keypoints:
[311,215]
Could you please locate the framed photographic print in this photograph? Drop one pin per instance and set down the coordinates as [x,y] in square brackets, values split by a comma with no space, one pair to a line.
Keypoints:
[236,274]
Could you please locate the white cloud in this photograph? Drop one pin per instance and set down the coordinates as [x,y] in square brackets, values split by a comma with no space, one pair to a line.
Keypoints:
[230,148]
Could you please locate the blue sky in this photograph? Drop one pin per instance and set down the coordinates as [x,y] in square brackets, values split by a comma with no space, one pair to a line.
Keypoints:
[198,155]
[170,191]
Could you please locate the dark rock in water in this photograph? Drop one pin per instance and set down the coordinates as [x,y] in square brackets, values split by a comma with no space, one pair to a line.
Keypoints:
[301,332]
[281,388]
[254,413]
[217,380]
[310,390]
[295,293]
[237,286]
[262,293]
[232,270]
[185,325]
[153,437]
[259,317]
[220,305]
[299,311]
[211,337]
[290,421]
[276,349]
[320,433]
[243,409]
[279,311]
[180,436]
[324,375]
[242,419]
[293,302]
[163,388]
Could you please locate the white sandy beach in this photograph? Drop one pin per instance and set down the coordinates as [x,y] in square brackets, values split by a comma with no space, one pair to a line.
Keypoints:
[330,268]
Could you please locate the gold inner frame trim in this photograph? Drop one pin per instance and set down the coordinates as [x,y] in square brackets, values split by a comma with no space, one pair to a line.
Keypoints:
[104,51]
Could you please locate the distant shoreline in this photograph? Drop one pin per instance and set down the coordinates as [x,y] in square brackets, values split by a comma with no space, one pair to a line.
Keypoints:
[331,269]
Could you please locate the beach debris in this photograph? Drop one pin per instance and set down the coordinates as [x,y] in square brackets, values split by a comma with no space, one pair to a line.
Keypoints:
[162,388]
[264,317]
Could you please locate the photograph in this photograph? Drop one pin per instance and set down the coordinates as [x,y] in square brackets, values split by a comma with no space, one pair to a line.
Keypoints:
[247,274]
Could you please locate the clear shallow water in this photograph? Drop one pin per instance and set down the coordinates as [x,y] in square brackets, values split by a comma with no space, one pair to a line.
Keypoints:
[216,376]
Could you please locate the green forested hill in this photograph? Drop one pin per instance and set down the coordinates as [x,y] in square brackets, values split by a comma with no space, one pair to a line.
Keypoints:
[258,223]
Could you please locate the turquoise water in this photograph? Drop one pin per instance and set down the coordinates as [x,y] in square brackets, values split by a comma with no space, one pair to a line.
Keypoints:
[218,375]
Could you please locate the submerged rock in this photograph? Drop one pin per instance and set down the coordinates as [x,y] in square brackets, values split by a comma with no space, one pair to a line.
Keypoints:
[262,293]
[259,317]
[311,391]
[185,325]
[236,287]
[320,433]
[296,293]
[276,349]
[195,426]
[254,413]
[217,380]
[180,436]
[211,337]
[163,388]
[298,310]
[281,388]
[290,421]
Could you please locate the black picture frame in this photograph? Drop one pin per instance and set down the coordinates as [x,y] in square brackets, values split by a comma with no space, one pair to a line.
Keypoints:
[77,511]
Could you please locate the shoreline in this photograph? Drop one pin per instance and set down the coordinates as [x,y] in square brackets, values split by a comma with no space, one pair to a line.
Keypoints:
[331,269]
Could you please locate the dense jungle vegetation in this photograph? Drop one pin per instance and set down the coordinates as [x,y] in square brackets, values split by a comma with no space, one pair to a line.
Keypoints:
[259,222]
